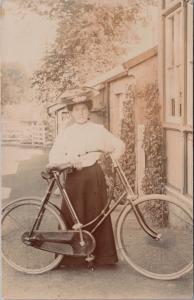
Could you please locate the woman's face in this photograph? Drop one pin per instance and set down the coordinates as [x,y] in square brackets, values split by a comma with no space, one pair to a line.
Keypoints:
[80,113]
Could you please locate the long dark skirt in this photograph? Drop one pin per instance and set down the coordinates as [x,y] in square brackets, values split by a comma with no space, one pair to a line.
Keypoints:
[86,189]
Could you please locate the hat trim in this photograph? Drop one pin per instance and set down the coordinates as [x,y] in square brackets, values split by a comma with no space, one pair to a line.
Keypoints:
[88,102]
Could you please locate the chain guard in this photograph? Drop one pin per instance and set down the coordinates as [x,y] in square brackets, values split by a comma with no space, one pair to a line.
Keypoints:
[61,242]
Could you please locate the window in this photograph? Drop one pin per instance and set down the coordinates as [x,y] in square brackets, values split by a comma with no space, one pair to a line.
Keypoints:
[116,112]
[174,159]
[173,107]
[63,118]
[167,3]
[189,64]
[172,41]
[119,111]
[190,164]
[173,67]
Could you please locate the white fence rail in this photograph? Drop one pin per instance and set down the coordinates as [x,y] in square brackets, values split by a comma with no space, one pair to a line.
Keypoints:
[16,132]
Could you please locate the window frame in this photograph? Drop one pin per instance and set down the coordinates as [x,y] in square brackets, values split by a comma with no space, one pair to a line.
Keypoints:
[173,63]
[189,65]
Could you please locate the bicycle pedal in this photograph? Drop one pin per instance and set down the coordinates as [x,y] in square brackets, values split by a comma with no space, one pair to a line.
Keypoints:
[91,267]
[90,258]
[158,237]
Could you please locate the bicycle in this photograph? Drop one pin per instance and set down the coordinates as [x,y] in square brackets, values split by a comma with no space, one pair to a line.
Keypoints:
[153,232]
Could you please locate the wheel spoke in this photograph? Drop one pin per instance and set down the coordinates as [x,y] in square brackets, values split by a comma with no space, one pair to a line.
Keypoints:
[17,223]
[172,254]
[19,219]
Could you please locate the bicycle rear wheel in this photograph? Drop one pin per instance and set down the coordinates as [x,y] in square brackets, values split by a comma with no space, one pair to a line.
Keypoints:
[165,259]
[19,218]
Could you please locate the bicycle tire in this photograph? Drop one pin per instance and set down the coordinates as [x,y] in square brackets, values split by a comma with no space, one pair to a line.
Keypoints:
[173,252]
[18,217]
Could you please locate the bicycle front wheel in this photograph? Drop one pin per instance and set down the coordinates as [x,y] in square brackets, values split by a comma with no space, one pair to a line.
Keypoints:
[169,257]
[18,218]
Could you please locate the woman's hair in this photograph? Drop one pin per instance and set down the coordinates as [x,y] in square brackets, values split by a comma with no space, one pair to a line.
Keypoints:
[87,102]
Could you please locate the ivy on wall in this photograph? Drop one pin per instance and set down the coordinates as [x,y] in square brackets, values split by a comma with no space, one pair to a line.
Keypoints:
[153,144]
[128,160]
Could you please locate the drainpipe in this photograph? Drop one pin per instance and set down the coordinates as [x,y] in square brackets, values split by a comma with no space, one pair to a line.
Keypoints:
[107,97]
[56,124]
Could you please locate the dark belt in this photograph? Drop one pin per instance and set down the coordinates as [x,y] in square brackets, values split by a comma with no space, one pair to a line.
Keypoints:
[72,170]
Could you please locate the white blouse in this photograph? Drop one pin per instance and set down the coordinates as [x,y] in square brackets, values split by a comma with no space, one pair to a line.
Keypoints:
[77,140]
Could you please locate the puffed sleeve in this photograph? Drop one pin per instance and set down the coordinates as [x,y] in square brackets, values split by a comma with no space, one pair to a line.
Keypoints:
[58,151]
[112,144]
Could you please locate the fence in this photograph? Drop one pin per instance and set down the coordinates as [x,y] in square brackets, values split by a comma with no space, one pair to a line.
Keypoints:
[18,132]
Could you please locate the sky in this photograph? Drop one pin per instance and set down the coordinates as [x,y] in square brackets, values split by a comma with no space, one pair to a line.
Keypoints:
[24,40]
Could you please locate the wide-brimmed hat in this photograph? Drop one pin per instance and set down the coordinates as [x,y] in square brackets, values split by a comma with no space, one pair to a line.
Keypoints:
[79,100]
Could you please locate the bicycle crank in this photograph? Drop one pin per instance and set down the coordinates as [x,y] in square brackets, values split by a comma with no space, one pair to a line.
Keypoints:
[65,242]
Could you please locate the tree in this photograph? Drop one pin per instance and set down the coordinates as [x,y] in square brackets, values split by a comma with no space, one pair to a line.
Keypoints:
[92,36]
[14,84]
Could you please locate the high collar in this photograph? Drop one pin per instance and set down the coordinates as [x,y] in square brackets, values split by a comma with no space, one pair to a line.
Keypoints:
[85,124]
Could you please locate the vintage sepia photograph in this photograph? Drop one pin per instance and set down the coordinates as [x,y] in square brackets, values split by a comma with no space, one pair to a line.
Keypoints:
[96,149]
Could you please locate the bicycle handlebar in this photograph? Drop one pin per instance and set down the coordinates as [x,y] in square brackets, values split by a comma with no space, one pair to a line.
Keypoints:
[62,167]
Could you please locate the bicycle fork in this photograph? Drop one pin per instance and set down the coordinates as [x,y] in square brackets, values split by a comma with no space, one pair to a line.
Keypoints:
[142,222]
[130,197]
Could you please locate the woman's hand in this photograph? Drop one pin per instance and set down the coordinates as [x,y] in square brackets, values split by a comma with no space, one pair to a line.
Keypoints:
[78,165]
[76,162]
[51,166]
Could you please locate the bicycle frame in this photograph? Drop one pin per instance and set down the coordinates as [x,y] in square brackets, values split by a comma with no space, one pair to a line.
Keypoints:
[128,194]
[49,233]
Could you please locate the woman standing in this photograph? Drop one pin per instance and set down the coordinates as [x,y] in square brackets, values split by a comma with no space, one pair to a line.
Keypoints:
[86,185]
